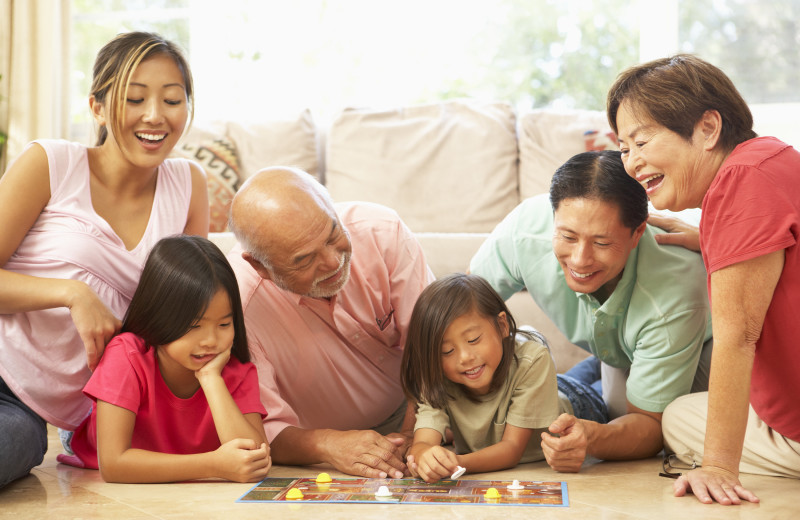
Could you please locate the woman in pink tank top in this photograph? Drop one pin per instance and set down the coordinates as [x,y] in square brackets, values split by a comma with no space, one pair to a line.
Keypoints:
[79,222]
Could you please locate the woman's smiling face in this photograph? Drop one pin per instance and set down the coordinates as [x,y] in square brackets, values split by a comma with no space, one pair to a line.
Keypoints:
[666,164]
[155,115]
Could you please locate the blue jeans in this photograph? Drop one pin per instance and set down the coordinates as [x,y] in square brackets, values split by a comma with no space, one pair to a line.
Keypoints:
[23,437]
[582,385]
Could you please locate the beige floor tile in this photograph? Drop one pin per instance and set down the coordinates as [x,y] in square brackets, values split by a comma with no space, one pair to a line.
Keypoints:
[602,490]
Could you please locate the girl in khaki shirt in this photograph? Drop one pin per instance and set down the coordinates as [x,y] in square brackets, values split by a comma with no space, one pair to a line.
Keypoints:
[466,369]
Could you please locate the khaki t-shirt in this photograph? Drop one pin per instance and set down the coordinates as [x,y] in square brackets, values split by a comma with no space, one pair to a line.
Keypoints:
[529,399]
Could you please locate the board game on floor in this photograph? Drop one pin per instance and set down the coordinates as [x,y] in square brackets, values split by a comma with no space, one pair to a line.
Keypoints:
[324,489]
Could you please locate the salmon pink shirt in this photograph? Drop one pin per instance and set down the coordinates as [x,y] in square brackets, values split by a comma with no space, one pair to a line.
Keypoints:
[336,363]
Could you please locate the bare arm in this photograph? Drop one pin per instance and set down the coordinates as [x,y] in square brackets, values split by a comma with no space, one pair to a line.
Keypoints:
[505,454]
[24,193]
[228,419]
[198,218]
[241,460]
[430,461]
[356,452]
[741,294]
[635,435]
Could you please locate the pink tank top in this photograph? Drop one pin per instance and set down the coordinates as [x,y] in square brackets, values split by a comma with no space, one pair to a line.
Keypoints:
[42,358]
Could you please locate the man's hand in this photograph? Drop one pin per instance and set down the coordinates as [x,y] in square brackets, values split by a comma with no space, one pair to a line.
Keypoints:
[709,484]
[406,442]
[367,453]
[567,452]
[678,232]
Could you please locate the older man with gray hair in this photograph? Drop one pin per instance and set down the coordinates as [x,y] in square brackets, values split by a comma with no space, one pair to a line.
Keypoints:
[328,291]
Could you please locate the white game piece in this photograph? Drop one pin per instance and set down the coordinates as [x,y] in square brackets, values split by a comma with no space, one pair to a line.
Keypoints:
[515,485]
[458,472]
[383,491]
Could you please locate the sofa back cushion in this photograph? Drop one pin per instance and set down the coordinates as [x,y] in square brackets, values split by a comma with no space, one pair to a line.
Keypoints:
[549,137]
[445,167]
[278,142]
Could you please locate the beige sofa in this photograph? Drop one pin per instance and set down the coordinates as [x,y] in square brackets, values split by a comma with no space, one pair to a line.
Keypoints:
[451,170]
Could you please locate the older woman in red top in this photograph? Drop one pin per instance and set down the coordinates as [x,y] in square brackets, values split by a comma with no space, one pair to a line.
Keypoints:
[686,135]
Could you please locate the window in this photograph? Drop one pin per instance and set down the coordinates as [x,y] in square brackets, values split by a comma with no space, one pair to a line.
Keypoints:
[263,58]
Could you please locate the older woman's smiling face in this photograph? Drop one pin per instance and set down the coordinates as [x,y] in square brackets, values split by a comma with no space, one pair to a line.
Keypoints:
[672,170]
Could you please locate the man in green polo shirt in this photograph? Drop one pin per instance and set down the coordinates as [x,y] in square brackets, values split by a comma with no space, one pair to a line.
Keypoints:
[590,261]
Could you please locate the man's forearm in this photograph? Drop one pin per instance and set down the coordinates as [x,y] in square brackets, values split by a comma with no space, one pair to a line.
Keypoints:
[632,436]
[299,447]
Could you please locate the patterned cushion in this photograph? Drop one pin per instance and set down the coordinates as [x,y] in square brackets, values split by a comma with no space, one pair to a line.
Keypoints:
[220,161]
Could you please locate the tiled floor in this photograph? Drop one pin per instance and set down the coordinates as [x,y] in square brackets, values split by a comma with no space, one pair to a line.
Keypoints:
[606,490]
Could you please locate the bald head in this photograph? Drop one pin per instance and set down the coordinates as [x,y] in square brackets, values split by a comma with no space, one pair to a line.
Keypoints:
[289,230]
[274,202]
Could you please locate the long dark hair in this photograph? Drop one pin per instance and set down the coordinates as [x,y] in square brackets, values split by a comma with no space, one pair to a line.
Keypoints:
[437,307]
[600,175]
[181,275]
[115,64]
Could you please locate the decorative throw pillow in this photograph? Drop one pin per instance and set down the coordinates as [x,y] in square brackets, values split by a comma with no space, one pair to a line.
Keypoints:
[220,161]
[597,141]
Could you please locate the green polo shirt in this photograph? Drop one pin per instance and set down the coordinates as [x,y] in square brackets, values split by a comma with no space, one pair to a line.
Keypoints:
[654,323]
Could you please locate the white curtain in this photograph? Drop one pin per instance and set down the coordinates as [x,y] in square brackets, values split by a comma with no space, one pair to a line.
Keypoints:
[34,63]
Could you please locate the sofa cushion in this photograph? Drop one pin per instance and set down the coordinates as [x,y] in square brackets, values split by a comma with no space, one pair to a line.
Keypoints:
[217,155]
[548,137]
[284,142]
[445,167]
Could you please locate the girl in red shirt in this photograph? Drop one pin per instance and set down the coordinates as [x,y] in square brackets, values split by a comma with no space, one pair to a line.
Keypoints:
[176,397]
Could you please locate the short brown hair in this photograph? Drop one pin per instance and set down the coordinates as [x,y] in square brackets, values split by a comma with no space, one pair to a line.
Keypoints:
[116,63]
[675,92]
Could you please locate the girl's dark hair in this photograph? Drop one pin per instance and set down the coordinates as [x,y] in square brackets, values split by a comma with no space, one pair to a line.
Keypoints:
[181,275]
[115,65]
[437,307]
[675,92]
[600,175]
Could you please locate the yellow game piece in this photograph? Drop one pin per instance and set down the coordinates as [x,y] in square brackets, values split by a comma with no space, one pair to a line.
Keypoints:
[492,494]
[323,478]
[294,494]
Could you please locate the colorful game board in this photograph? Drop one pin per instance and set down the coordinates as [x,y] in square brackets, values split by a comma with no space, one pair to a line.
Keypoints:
[408,491]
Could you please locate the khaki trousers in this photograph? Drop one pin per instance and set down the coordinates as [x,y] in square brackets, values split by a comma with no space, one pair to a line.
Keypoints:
[765,452]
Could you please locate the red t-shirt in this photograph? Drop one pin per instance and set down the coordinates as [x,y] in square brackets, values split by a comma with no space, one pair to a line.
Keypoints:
[752,209]
[128,376]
